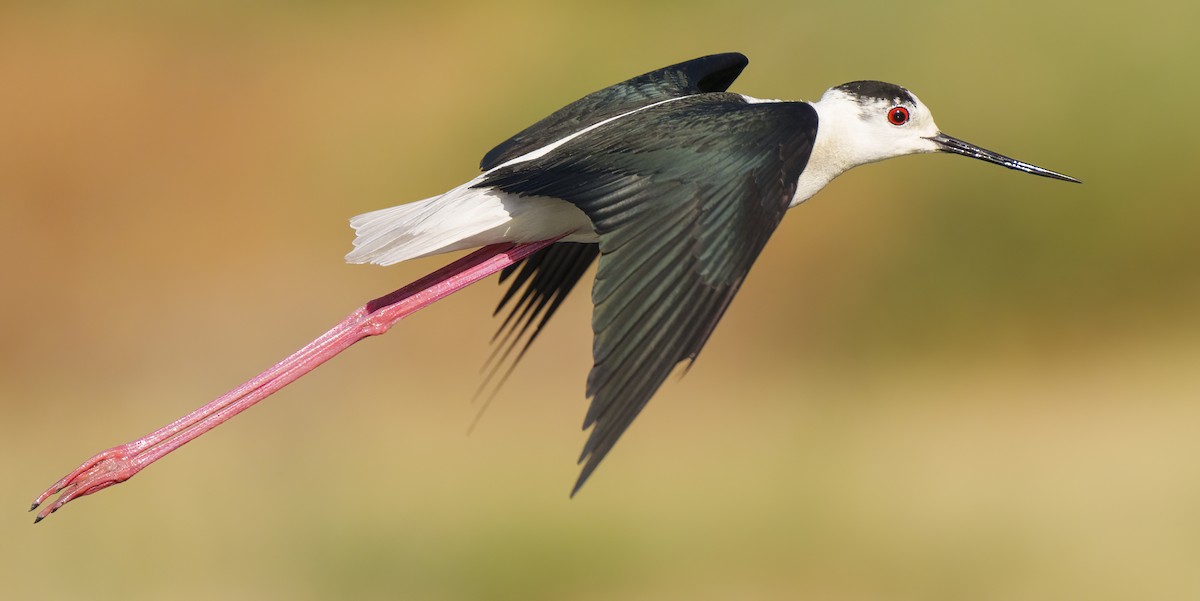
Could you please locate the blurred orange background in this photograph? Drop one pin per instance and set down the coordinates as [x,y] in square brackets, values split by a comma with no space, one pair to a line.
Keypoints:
[942,380]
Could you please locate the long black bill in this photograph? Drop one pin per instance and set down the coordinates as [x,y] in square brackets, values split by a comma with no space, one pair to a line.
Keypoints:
[949,144]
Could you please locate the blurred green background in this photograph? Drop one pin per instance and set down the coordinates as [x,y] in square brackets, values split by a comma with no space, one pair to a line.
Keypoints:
[943,379]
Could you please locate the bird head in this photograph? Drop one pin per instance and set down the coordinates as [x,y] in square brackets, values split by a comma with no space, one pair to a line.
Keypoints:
[869,121]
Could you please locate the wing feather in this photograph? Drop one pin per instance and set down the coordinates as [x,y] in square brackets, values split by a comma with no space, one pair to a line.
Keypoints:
[712,73]
[543,281]
[683,196]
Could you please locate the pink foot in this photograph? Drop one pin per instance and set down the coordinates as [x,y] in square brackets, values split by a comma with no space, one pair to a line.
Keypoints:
[110,467]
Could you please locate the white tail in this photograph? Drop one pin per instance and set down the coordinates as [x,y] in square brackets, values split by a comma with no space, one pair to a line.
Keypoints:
[464,217]
[434,225]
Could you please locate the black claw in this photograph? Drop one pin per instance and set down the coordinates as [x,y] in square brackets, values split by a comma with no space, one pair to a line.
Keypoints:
[37,519]
[34,506]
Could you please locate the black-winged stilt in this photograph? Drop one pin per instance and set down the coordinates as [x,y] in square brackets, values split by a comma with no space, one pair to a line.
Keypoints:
[674,183]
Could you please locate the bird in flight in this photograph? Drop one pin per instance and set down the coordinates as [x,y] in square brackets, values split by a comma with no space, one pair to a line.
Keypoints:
[671,183]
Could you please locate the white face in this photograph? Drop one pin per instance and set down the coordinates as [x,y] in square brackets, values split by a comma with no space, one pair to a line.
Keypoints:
[871,128]
[867,121]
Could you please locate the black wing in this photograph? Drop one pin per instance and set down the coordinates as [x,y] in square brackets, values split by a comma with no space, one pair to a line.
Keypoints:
[712,73]
[551,273]
[546,277]
[683,196]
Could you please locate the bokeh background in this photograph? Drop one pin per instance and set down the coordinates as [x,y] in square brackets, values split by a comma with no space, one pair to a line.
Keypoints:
[943,380]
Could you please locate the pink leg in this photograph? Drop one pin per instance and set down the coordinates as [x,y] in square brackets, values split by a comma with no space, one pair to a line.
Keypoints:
[120,463]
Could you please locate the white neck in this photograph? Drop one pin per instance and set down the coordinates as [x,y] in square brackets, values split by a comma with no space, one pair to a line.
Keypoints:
[830,156]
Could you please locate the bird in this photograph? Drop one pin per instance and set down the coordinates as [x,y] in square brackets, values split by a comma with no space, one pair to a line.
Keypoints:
[667,181]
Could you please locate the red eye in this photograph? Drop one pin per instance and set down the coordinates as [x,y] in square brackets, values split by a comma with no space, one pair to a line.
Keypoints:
[898,116]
